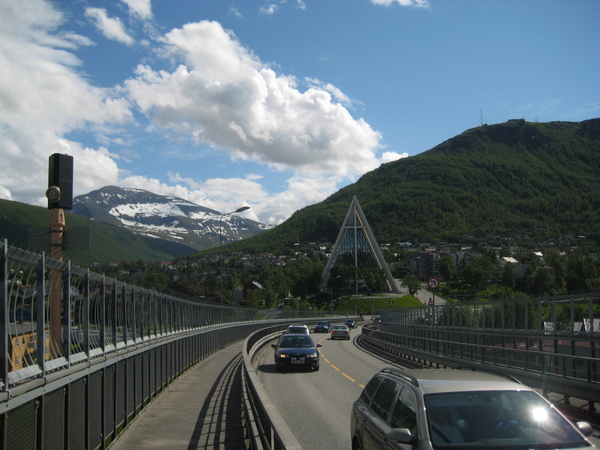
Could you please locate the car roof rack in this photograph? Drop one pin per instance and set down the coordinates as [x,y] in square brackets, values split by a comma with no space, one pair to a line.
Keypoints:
[401,373]
[493,372]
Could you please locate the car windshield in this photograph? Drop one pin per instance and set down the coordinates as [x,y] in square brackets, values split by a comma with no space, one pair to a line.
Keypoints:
[295,341]
[339,327]
[497,419]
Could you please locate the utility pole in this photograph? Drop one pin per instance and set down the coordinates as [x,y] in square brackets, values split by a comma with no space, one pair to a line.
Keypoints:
[60,197]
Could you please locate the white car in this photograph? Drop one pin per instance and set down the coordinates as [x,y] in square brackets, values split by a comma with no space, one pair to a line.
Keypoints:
[297,329]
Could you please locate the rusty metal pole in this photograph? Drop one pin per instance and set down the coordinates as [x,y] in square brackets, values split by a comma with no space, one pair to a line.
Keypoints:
[57,229]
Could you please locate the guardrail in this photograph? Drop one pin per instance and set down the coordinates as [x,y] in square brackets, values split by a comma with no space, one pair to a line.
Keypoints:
[265,427]
[83,354]
[555,358]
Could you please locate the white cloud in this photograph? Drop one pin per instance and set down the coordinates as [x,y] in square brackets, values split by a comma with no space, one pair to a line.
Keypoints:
[228,194]
[233,11]
[269,9]
[112,28]
[387,157]
[334,91]
[141,8]
[44,97]
[222,95]
[416,3]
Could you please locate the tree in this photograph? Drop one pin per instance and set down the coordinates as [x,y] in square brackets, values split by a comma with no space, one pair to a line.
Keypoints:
[447,268]
[253,299]
[478,273]
[555,260]
[412,283]
[270,298]
[509,276]
[541,281]
[576,275]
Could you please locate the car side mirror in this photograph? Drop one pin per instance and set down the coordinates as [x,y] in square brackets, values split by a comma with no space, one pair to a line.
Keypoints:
[402,435]
[273,345]
[318,345]
[585,428]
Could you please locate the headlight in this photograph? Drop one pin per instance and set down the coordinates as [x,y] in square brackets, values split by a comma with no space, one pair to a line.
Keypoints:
[282,355]
[312,355]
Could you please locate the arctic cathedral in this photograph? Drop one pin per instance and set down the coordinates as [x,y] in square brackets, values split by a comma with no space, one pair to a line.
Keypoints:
[356,246]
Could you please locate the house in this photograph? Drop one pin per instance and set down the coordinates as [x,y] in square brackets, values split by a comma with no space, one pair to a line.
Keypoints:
[254,286]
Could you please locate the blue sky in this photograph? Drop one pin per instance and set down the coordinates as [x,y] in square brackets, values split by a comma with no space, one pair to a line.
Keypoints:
[274,104]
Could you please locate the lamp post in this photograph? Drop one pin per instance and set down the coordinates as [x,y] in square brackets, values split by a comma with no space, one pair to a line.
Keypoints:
[243,208]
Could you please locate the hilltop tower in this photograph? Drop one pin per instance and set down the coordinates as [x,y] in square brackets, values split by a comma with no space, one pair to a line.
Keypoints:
[356,246]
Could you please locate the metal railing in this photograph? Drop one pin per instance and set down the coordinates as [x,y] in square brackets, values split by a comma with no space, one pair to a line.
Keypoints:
[83,354]
[553,344]
[265,427]
[54,316]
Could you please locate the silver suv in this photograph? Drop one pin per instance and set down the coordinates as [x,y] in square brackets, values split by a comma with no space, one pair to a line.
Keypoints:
[453,408]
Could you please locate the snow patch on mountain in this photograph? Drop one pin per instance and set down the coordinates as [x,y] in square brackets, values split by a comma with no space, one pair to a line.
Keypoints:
[147,210]
[165,217]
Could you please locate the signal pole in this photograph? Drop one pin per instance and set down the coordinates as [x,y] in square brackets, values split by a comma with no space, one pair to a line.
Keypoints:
[60,197]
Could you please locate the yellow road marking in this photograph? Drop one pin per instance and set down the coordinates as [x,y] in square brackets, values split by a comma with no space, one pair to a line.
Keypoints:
[350,378]
[329,362]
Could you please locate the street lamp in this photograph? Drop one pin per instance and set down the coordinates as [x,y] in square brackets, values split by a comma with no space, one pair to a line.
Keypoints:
[243,208]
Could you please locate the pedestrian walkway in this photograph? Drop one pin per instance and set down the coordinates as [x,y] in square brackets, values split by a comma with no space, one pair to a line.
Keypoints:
[201,409]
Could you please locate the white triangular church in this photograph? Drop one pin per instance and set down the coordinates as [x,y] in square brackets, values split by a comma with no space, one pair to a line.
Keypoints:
[356,246]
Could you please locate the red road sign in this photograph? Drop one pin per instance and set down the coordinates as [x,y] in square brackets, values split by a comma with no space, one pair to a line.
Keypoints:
[433,282]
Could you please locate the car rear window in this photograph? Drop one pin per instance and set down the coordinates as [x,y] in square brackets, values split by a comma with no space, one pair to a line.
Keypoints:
[384,397]
[299,330]
[369,390]
[405,411]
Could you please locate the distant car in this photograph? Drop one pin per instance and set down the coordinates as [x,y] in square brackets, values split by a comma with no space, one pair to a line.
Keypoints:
[340,332]
[350,323]
[426,409]
[376,320]
[297,329]
[322,327]
[296,351]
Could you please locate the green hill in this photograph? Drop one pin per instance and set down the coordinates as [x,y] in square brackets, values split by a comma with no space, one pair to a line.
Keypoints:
[539,179]
[23,226]
[515,178]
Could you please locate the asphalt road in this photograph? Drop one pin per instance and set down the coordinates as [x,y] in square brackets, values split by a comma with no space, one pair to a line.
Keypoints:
[317,405]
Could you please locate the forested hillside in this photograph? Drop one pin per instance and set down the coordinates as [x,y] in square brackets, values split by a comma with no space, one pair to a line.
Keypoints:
[540,179]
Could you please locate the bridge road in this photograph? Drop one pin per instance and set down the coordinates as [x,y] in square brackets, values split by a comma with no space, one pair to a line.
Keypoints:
[201,409]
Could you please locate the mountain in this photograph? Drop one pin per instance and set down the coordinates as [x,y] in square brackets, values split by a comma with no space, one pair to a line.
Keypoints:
[513,179]
[163,217]
[27,227]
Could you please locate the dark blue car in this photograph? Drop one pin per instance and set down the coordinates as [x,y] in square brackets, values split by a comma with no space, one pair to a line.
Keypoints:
[322,327]
[296,351]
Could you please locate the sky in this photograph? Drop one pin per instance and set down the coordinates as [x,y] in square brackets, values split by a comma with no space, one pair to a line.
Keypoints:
[273,104]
